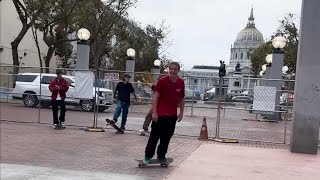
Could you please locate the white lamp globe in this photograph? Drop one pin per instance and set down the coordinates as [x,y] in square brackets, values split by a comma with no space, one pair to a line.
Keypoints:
[157,63]
[285,69]
[279,42]
[131,52]
[264,67]
[83,34]
[269,58]
[261,73]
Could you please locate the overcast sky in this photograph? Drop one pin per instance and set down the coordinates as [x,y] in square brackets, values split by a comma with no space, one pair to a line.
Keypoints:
[202,31]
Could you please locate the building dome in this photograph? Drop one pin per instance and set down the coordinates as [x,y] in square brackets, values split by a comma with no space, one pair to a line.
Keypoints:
[248,39]
[249,35]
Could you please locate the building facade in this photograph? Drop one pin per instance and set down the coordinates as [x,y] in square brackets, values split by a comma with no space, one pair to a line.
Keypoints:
[10,27]
[239,68]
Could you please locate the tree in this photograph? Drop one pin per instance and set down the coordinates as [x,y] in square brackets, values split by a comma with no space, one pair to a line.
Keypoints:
[27,19]
[56,25]
[146,42]
[35,37]
[289,30]
[258,57]
[103,23]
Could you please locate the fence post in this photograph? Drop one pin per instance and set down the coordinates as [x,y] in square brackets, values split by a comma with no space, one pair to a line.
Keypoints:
[95,127]
[39,97]
[286,116]
[8,88]
[192,99]
[218,139]
[218,111]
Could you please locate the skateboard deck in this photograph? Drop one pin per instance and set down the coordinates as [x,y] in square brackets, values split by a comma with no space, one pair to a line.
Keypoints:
[109,122]
[154,161]
[143,133]
[59,127]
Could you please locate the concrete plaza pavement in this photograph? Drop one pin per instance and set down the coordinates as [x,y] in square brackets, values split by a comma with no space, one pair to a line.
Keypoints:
[35,151]
[212,161]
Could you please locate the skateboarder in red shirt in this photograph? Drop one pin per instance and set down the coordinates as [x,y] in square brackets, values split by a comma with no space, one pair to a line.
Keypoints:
[169,93]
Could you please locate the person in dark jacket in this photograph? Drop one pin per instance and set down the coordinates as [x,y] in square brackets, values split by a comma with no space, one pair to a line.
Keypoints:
[58,87]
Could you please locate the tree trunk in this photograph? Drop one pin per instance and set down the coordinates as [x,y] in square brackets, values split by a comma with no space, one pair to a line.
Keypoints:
[48,57]
[35,37]
[14,46]
[15,58]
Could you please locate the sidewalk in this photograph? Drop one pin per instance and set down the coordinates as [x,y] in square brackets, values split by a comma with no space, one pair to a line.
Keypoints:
[35,151]
[75,150]
[212,161]
[22,172]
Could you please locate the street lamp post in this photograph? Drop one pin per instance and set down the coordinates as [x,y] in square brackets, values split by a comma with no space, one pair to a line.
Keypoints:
[83,52]
[156,69]
[83,49]
[275,63]
[130,63]
[265,74]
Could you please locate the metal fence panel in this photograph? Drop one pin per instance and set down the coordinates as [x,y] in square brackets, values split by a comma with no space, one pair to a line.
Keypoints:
[13,102]
[241,121]
[227,116]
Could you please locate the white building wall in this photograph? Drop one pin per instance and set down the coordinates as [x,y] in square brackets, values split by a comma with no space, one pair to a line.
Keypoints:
[10,27]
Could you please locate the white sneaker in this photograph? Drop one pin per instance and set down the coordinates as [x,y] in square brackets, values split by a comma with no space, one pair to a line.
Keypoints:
[63,124]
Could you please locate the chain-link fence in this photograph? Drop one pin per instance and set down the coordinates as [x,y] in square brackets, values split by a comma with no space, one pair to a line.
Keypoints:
[256,111]
[25,97]
[233,107]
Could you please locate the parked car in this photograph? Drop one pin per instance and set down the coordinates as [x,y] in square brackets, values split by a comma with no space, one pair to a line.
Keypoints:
[190,97]
[242,99]
[29,86]
[286,99]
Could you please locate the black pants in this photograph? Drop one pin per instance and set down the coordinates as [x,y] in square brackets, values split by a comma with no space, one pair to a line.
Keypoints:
[55,106]
[163,130]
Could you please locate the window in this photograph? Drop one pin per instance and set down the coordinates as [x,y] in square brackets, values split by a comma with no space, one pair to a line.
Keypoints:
[47,79]
[237,84]
[241,56]
[26,78]
[236,56]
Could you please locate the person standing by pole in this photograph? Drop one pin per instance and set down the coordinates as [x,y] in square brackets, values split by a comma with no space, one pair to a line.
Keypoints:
[169,93]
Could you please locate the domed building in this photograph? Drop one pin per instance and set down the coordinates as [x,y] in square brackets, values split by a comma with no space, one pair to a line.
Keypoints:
[248,39]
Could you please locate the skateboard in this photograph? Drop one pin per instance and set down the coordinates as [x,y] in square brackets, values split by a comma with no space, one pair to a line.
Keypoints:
[109,122]
[143,132]
[154,161]
[59,127]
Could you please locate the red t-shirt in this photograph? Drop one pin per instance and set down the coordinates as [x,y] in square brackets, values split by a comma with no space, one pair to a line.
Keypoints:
[170,96]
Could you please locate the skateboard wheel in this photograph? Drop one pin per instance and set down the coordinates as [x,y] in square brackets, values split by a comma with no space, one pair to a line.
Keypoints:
[142,165]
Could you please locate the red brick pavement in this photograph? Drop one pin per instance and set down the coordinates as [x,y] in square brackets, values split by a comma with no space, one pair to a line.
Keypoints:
[40,145]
